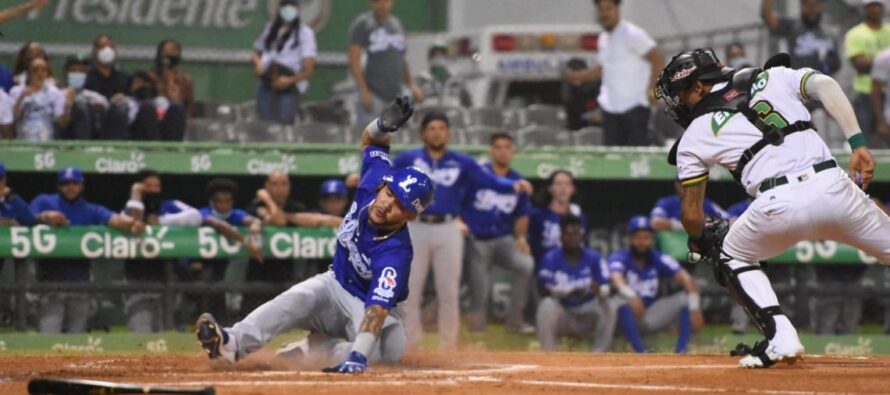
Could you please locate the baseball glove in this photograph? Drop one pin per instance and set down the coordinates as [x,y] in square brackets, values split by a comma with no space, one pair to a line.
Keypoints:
[395,115]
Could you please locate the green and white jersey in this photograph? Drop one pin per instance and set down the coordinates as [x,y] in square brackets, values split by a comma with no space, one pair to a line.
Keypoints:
[720,138]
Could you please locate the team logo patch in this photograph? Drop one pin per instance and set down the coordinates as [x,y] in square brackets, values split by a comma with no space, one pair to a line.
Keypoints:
[386,283]
[720,119]
[759,83]
[683,74]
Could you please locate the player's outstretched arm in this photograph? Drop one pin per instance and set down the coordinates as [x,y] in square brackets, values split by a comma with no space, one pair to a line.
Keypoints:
[829,92]
[391,119]
[365,341]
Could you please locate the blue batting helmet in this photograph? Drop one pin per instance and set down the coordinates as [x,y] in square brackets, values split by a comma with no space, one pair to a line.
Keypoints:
[637,223]
[412,187]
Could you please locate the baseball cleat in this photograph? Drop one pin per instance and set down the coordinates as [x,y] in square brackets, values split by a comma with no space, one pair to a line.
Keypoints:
[521,329]
[764,355]
[211,338]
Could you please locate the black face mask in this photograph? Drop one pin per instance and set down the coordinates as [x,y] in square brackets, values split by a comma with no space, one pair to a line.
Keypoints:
[171,61]
[144,93]
[811,22]
[152,202]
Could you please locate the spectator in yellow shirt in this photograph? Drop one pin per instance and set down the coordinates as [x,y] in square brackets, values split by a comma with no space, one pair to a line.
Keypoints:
[862,43]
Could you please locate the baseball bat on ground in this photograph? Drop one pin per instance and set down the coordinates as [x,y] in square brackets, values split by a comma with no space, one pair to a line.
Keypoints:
[90,387]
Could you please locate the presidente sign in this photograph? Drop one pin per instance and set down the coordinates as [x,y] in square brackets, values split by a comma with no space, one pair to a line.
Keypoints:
[99,242]
[198,24]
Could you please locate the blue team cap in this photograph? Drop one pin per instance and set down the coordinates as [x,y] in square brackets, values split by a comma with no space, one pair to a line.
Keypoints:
[412,187]
[70,174]
[2,170]
[333,187]
[639,222]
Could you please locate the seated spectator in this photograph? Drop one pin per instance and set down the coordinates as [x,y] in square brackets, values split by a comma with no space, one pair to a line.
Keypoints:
[736,57]
[28,52]
[223,217]
[144,114]
[144,309]
[575,284]
[40,108]
[69,312]
[543,229]
[13,209]
[88,107]
[175,91]
[284,59]
[666,213]
[636,272]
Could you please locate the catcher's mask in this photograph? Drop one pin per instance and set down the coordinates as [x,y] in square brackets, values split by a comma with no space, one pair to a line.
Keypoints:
[685,68]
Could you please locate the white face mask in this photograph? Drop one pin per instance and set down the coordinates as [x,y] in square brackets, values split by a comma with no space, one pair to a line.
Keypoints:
[76,80]
[289,13]
[106,55]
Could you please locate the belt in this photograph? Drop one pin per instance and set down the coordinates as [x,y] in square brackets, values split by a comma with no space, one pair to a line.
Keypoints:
[779,181]
[436,219]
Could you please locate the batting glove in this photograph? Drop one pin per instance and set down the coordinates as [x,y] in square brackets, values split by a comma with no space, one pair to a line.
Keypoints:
[355,363]
[395,115]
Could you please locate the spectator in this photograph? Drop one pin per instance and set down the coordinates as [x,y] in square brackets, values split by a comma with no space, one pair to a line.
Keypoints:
[69,312]
[16,11]
[498,234]
[736,57]
[40,108]
[284,59]
[380,35]
[144,309]
[579,98]
[636,271]
[862,43]
[13,209]
[275,207]
[147,115]
[880,76]
[175,90]
[805,39]
[223,217]
[543,231]
[629,64]
[665,215]
[28,52]
[87,107]
[436,235]
[575,282]
[438,84]
[7,120]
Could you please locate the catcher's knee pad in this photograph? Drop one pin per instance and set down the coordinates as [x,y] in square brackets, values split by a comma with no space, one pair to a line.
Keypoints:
[761,315]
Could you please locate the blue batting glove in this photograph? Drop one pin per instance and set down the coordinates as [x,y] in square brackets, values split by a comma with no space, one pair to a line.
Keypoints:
[355,363]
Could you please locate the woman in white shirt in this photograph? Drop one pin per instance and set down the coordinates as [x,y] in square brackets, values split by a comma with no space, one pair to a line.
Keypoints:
[284,59]
[40,107]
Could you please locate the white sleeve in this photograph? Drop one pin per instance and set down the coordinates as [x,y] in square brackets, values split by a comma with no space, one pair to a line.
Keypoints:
[259,44]
[6,104]
[308,46]
[188,216]
[691,167]
[639,41]
[829,92]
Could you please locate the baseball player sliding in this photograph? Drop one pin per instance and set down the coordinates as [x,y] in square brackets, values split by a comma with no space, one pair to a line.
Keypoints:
[754,122]
[351,311]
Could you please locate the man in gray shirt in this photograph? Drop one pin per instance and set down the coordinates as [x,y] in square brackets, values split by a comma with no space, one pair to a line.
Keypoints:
[808,43]
[381,35]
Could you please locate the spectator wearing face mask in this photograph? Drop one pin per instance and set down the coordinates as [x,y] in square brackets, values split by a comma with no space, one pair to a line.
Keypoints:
[284,59]
[40,107]
[87,107]
[736,56]
[175,90]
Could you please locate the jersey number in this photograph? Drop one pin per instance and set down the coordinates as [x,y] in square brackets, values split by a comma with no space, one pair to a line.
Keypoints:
[768,115]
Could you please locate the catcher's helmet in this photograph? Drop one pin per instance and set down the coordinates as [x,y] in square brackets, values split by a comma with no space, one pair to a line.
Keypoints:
[685,68]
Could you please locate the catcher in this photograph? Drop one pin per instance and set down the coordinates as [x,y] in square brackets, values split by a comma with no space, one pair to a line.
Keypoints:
[754,122]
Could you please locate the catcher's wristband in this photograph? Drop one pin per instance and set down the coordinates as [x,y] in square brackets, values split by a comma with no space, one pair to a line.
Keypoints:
[364,343]
[694,300]
[856,141]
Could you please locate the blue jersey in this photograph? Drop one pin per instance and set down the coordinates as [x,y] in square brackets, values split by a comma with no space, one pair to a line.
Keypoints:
[78,212]
[736,210]
[644,281]
[579,279]
[235,218]
[454,175]
[371,264]
[669,207]
[14,207]
[489,213]
[543,229]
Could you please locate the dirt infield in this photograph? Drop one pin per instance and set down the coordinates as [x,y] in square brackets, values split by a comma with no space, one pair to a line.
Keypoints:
[476,373]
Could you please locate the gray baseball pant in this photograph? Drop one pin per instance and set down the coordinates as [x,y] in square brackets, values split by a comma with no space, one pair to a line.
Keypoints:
[440,247]
[68,312]
[663,313]
[502,252]
[331,314]
[597,318]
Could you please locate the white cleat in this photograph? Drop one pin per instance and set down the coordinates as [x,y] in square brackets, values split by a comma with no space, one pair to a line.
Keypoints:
[770,357]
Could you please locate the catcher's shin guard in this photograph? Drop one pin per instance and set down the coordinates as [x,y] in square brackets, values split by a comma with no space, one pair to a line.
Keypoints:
[763,316]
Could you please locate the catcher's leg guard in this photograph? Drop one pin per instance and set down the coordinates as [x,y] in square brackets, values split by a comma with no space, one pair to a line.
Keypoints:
[761,315]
